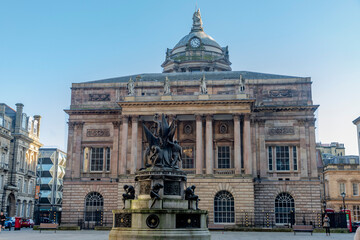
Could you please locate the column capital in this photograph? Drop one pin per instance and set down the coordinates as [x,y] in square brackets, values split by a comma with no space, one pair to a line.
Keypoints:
[73,125]
[247,116]
[236,116]
[124,118]
[260,122]
[209,117]
[134,118]
[116,124]
[198,117]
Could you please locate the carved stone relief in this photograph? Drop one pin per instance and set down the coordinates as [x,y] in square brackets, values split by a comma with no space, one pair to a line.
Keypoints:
[281,131]
[98,133]
[280,93]
[99,97]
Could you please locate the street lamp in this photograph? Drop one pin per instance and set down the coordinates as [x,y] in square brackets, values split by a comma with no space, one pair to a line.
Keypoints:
[343,194]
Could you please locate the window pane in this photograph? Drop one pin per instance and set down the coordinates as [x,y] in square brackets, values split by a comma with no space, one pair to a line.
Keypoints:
[282,158]
[97,159]
[270,156]
[94,203]
[223,157]
[295,158]
[188,157]
[355,189]
[107,159]
[284,207]
[224,211]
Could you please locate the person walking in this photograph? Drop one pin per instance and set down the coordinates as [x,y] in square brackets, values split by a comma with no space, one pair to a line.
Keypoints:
[2,220]
[326,224]
[357,234]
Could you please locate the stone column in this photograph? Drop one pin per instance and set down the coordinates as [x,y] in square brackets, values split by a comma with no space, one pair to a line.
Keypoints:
[124,141]
[237,145]
[209,146]
[77,160]
[263,159]
[247,145]
[115,151]
[312,149]
[199,145]
[70,143]
[134,143]
[303,155]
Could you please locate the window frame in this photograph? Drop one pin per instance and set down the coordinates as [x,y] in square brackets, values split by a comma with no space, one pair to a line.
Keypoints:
[105,162]
[340,187]
[229,159]
[229,204]
[272,158]
[185,157]
[357,188]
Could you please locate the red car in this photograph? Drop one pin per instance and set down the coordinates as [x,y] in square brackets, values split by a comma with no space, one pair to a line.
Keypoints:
[27,223]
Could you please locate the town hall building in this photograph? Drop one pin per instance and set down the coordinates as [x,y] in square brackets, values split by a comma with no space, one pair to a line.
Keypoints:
[247,138]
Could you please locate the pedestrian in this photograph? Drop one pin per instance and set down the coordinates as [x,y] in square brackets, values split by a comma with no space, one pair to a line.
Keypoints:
[2,220]
[326,225]
[357,234]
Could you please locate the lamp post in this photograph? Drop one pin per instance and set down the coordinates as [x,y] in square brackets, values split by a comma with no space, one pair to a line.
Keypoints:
[324,205]
[343,194]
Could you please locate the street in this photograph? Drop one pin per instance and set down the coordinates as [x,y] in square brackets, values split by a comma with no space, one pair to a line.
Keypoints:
[29,234]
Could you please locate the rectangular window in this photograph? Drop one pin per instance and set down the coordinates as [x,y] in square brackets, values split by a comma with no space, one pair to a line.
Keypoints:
[295,158]
[188,157]
[355,189]
[97,159]
[356,213]
[270,155]
[342,188]
[223,157]
[107,159]
[282,158]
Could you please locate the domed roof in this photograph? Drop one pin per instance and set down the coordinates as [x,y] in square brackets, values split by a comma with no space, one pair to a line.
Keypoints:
[197,31]
[205,39]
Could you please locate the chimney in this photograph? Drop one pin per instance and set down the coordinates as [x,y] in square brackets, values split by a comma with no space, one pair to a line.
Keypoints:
[19,112]
[38,118]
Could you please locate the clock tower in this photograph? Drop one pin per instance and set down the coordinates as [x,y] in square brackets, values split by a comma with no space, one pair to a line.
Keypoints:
[197,52]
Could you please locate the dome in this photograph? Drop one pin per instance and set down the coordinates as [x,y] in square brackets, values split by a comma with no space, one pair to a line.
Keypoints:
[205,39]
[197,51]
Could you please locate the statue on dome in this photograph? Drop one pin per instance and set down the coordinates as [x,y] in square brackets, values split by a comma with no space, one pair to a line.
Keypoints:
[162,151]
[167,90]
[203,88]
[197,22]
[131,87]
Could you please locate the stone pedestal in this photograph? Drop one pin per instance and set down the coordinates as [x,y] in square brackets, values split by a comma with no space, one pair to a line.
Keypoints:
[171,217]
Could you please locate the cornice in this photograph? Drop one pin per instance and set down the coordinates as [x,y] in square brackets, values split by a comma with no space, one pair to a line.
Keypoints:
[285,108]
[194,102]
[92,111]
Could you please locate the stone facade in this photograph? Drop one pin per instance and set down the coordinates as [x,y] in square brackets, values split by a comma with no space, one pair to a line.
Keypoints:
[19,150]
[343,175]
[247,137]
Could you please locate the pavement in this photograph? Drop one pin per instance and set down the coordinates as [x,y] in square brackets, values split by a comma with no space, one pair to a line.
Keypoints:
[29,234]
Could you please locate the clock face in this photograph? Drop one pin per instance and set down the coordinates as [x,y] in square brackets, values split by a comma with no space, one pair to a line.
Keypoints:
[195,42]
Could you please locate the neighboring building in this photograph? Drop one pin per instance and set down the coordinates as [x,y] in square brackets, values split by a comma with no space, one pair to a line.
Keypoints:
[248,138]
[357,123]
[332,149]
[50,174]
[19,138]
[342,174]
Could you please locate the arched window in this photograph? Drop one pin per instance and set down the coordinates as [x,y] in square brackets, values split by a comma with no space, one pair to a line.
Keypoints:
[224,210]
[94,204]
[284,205]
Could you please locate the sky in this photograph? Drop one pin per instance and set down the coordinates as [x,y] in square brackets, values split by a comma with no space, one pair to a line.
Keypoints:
[47,45]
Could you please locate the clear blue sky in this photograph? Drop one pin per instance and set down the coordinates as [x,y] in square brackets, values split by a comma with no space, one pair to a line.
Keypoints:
[47,45]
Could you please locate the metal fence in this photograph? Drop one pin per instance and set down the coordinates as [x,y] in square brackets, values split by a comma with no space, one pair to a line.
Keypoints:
[260,219]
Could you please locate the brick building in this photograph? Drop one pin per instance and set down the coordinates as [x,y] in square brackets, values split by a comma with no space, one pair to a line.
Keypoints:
[248,138]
